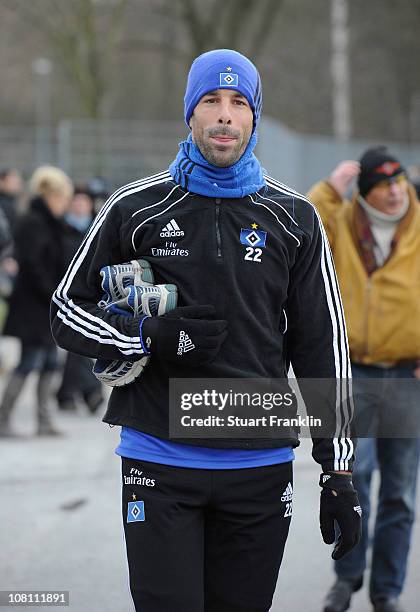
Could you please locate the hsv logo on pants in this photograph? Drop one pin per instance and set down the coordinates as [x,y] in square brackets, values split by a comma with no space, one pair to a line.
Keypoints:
[135,512]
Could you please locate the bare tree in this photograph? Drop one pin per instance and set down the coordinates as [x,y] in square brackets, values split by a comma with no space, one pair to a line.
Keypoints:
[402,55]
[224,22]
[385,74]
[83,36]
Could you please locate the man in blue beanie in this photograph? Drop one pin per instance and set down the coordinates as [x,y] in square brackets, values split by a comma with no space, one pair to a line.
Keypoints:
[206,517]
[220,149]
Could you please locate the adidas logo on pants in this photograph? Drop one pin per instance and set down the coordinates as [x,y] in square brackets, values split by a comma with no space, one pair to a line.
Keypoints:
[287,493]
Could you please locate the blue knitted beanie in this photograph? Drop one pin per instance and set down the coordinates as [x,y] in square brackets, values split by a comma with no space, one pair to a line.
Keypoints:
[223,69]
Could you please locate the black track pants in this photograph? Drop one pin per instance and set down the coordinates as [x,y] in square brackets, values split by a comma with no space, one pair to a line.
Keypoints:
[204,540]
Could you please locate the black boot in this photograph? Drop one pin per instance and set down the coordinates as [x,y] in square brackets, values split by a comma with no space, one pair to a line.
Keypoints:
[340,594]
[43,391]
[387,604]
[67,405]
[10,394]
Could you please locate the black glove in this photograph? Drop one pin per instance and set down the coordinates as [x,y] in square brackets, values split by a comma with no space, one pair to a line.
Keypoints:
[339,502]
[186,336]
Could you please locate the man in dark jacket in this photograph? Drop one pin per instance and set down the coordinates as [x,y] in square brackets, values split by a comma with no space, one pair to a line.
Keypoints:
[39,251]
[206,520]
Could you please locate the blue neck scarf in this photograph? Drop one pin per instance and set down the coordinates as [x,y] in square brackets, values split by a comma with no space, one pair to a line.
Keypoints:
[195,174]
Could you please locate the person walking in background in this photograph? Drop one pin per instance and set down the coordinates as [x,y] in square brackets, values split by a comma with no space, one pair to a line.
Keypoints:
[40,256]
[78,381]
[375,240]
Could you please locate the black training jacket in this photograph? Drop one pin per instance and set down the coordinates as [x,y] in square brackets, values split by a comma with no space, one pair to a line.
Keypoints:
[284,290]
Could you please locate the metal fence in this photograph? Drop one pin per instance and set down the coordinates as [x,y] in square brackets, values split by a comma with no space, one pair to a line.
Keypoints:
[302,159]
[121,151]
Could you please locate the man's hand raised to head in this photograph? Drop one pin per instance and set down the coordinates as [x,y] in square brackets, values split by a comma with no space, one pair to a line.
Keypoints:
[343,175]
[340,502]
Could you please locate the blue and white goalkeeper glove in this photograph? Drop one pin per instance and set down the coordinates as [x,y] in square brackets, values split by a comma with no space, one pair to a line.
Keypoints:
[129,290]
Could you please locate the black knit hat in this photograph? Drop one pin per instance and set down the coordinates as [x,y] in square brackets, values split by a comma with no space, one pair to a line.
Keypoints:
[376,165]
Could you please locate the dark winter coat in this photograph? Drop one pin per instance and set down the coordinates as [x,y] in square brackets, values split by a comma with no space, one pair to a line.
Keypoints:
[39,252]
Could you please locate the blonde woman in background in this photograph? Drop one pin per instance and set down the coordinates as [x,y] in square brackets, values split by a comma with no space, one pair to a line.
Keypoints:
[39,252]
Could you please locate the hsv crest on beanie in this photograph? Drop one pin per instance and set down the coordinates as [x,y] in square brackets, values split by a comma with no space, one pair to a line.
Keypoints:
[376,165]
[223,69]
